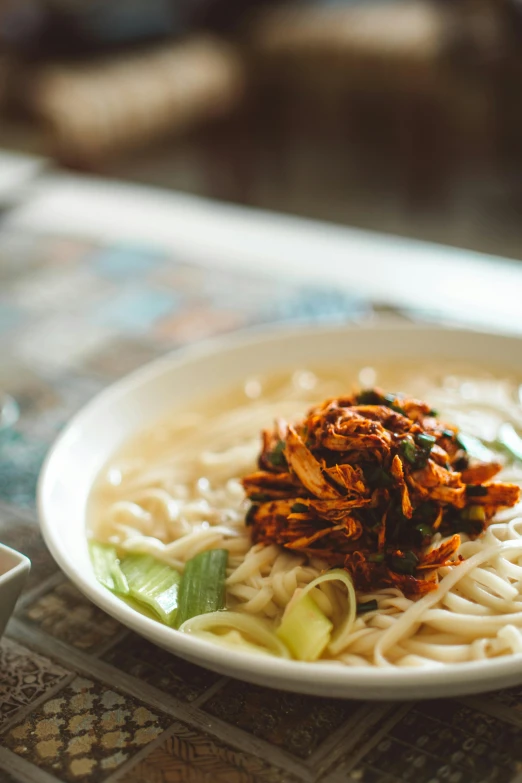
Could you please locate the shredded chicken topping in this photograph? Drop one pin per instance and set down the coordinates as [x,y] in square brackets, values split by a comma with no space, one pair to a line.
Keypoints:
[365,482]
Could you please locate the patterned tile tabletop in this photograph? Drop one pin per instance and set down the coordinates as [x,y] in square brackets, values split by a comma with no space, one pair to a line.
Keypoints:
[81,698]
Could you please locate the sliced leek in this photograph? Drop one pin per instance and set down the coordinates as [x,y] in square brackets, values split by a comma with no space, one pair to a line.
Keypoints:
[203,585]
[107,568]
[153,584]
[305,629]
[254,631]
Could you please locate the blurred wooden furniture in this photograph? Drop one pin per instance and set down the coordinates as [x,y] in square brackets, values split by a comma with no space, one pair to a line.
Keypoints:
[99,108]
[361,112]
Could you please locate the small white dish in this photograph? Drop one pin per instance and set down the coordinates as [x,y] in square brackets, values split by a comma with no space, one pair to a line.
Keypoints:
[152,392]
[14,570]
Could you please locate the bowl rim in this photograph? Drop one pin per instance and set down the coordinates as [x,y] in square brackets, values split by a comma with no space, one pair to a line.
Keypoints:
[334,679]
[19,563]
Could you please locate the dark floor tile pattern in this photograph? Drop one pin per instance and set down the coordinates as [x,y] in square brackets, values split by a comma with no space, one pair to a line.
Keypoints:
[440,741]
[65,614]
[85,732]
[25,677]
[174,676]
[510,698]
[189,756]
[298,724]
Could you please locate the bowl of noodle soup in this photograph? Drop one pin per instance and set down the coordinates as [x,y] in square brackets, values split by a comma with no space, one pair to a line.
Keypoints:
[154,465]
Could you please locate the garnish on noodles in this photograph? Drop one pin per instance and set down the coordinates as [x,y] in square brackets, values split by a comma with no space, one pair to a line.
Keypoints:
[366,482]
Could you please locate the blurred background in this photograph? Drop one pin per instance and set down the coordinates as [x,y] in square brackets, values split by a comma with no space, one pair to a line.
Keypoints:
[401,116]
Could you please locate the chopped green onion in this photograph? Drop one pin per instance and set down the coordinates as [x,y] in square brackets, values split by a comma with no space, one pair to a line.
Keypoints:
[425,443]
[425,440]
[106,565]
[426,512]
[424,529]
[305,629]
[376,557]
[369,397]
[203,585]
[474,514]
[299,508]
[463,442]
[276,456]
[409,451]
[476,491]
[405,563]
[260,497]
[153,584]
[449,434]
[390,400]
[377,477]
[367,606]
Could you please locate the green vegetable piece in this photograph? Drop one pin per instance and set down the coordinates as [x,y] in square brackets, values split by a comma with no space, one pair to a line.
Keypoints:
[237,630]
[426,512]
[106,565]
[260,497]
[276,456]
[448,434]
[409,451]
[475,448]
[384,479]
[425,443]
[405,563]
[474,514]
[299,508]
[476,491]
[203,585]
[424,529]
[390,400]
[510,441]
[376,557]
[369,397]
[425,440]
[305,629]
[377,477]
[367,606]
[153,584]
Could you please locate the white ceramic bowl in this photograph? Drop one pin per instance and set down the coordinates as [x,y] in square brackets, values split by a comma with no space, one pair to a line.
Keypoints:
[14,570]
[140,399]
